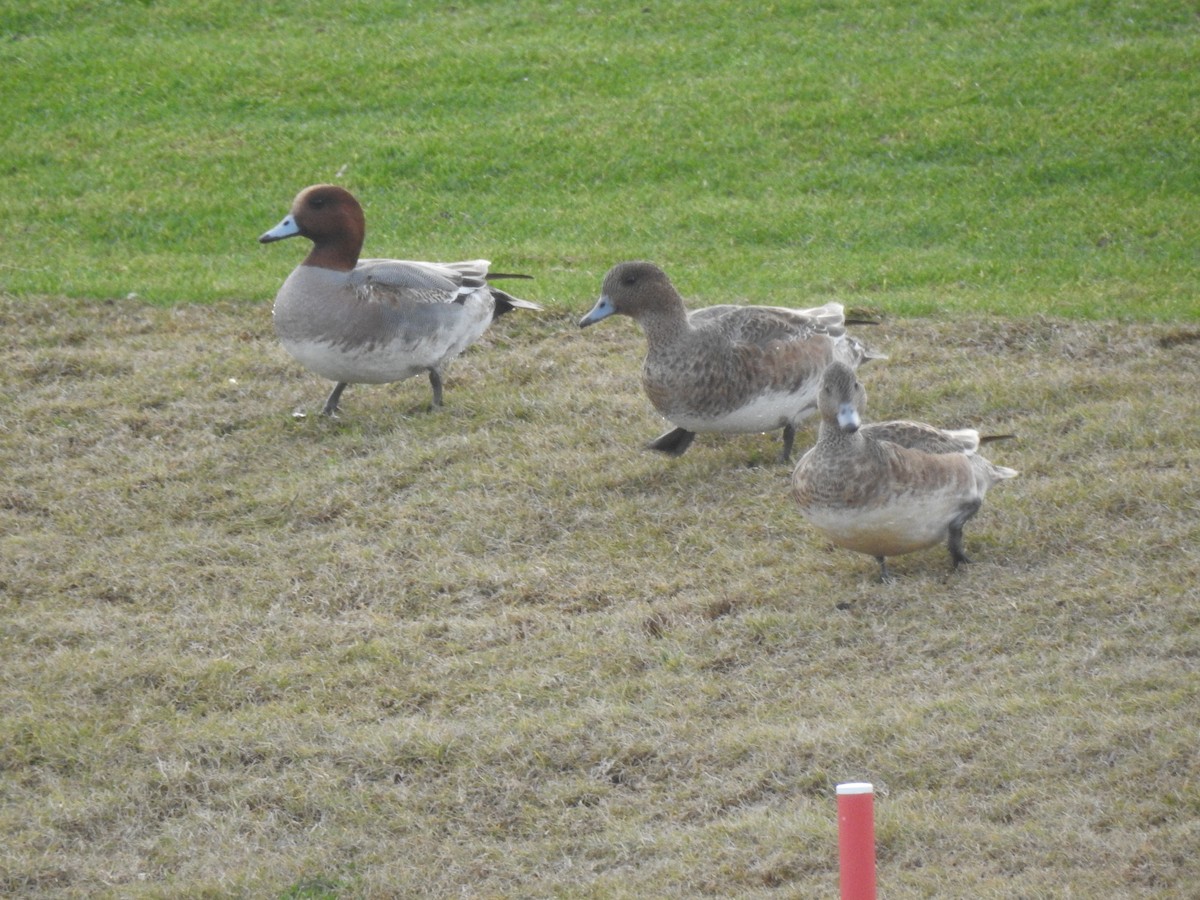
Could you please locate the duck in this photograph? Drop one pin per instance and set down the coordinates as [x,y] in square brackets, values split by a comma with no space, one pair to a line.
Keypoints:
[725,368]
[889,488]
[375,321]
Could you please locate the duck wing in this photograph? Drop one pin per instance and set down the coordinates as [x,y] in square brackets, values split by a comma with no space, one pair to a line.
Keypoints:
[398,282]
[926,438]
[762,324]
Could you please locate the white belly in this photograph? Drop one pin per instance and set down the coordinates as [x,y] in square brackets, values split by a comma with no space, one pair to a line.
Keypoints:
[888,530]
[378,365]
[765,413]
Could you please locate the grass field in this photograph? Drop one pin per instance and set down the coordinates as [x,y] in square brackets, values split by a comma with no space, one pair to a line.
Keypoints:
[1001,157]
[499,650]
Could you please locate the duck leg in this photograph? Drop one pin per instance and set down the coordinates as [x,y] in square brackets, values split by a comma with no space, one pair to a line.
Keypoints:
[674,443]
[789,438]
[435,381]
[954,543]
[885,577]
[331,404]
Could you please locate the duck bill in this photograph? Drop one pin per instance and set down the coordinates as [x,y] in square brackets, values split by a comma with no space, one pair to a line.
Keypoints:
[848,419]
[602,310]
[285,229]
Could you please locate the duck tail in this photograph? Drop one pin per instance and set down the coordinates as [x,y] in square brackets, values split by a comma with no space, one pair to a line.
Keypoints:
[856,352]
[507,303]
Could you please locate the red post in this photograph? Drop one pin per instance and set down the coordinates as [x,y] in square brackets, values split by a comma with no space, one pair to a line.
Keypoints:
[856,840]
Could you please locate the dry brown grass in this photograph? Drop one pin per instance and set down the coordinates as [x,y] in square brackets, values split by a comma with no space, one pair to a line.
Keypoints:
[500,651]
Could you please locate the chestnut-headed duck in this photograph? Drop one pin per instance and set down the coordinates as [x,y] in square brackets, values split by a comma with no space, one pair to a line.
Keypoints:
[373,321]
[889,488]
[727,368]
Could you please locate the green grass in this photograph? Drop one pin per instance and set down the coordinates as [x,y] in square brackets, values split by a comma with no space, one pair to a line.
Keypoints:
[1003,157]
[498,650]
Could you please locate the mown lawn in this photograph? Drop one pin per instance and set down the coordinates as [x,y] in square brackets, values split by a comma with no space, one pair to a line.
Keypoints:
[499,650]
[1003,157]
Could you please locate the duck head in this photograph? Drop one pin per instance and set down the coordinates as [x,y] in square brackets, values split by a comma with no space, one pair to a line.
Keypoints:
[332,219]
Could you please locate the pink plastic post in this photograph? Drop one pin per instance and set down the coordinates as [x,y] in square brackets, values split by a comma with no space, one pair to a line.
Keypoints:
[856,840]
